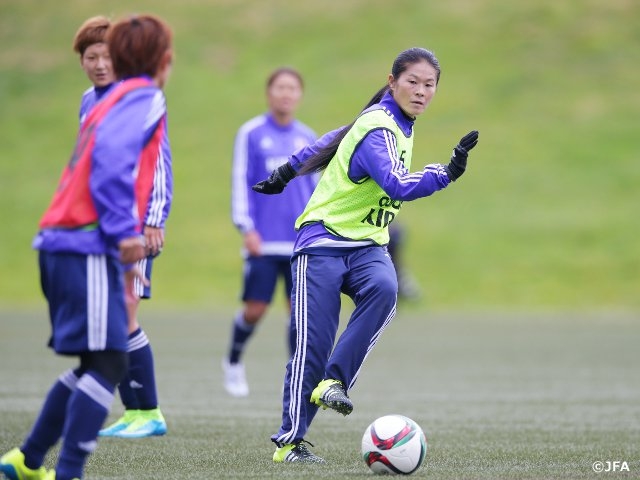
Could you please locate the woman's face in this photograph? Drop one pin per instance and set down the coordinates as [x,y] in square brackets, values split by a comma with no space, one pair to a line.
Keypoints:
[284,95]
[96,63]
[415,87]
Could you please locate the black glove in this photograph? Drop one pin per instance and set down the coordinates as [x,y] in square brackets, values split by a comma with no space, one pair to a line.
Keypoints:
[276,181]
[458,162]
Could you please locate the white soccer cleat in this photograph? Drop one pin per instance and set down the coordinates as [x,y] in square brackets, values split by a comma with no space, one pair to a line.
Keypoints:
[235,380]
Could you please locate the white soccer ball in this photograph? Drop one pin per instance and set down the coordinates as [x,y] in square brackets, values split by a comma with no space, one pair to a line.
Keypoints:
[394,444]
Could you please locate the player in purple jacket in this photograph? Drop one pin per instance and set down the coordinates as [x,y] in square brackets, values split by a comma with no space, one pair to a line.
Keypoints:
[89,240]
[89,43]
[266,223]
[341,246]
[138,392]
[142,416]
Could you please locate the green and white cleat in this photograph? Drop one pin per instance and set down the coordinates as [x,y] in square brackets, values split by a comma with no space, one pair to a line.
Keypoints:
[331,394]
[122,423]
[13,467]
[296,453]
[147,423]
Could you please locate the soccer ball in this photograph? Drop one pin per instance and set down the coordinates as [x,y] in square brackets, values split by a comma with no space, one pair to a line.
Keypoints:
[394,444]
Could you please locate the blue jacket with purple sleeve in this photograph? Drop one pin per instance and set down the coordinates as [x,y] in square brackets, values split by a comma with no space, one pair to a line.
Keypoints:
[162,193]
[375,157]
[129,130]
[261,145]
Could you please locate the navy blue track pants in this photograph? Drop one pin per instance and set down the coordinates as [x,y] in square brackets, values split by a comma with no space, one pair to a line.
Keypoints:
[368,277]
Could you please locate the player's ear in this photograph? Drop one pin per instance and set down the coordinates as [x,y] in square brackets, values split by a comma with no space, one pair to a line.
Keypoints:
[164,68]
[167,58]
[391,81]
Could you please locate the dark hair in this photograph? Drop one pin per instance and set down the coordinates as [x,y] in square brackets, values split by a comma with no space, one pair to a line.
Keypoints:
[92,31]
[320,160]
[282,71]
[137,45]
[413,56]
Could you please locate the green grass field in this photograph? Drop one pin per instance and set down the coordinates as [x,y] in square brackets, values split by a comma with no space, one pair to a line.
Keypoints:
[544,219]
[499,397]
[521,359]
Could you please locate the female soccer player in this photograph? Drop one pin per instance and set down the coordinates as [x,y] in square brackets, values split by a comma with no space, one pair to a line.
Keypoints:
[266,223]
[342,238]
[90,44]
[89,239]
[138,392]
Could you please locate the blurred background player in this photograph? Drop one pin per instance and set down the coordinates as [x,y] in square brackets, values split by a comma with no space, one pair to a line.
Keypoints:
[89,42]
[408,288]
[341,242]
[88,242]
[266,223]
[138,392]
